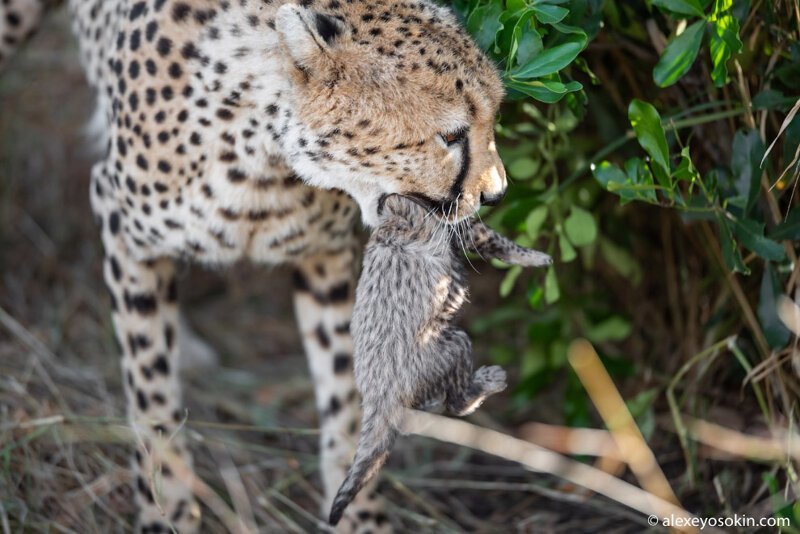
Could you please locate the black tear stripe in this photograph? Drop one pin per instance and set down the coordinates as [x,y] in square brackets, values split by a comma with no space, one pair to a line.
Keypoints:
[458,184]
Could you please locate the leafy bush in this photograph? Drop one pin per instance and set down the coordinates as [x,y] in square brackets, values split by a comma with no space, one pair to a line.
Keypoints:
[709,91]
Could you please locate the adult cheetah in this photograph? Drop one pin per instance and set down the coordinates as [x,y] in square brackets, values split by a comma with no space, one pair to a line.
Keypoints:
[259,130]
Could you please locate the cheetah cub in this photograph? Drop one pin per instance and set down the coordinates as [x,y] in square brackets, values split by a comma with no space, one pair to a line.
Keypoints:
[408,354]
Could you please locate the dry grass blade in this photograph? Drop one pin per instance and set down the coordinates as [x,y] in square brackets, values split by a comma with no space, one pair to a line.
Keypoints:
[233,483]
[4,519]
[540,460]
[743,445]
[39,352]
[572,441]
[320,525]
[785,125]
[618,419]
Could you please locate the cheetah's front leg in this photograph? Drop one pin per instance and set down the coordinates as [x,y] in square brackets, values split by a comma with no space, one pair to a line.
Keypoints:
[145,315]
[324,295]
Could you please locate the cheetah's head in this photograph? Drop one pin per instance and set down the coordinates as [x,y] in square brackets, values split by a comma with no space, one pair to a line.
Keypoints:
[397,99]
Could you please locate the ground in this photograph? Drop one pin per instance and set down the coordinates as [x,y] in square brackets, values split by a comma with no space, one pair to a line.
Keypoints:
[252,420]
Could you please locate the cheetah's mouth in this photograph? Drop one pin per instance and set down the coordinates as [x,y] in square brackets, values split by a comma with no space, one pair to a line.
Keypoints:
[447,209]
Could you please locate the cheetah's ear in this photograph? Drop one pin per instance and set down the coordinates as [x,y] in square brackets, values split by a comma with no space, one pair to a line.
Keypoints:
[306,35]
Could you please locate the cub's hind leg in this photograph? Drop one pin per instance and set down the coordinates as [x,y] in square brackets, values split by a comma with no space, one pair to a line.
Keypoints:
[324,294]
[466,391]
[145,317]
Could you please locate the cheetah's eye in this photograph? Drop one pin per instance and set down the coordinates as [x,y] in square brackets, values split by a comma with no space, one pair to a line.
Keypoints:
[451,138]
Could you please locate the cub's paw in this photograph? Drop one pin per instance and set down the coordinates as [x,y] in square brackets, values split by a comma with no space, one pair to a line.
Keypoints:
[531,258]
[491,379]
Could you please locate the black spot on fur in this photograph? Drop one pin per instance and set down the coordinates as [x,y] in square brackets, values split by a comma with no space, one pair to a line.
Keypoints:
[169,336]
[341,363]
[299,281]
[334,407]
[339,293]
[327,27]
[161,365]
[141,400]
[322,336]
[138,10]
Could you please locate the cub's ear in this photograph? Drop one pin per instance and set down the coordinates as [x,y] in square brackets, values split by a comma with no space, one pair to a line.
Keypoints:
[306,35]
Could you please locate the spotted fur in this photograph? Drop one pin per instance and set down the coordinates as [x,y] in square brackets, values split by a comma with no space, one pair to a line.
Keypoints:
[408,353]
[260,130]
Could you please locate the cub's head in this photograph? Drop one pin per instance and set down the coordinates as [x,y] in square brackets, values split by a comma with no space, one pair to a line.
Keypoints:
[396,98]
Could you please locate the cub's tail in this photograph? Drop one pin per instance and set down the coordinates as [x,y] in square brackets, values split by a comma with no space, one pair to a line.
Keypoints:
[490,244]
[378,434]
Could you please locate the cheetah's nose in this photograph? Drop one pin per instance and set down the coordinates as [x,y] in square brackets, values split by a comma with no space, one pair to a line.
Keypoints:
[492,199]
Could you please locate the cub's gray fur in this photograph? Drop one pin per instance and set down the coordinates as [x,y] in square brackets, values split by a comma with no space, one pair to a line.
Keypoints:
[407,352]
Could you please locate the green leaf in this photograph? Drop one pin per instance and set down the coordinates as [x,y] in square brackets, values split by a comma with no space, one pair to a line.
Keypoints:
[484,23]
[746,157]
[641,408]
[502,354]
[550,14]
[686,171]
[545,91]
[509,280]
[679,55]
[551,290]
[569,29]
[730,248]
[525,41]
[523,168]
[528,45]
[724,42]
[497,318]
[580,227]
[607,173]
[639,174]
[646,124]
[558,354]
[770,99]
[567,251]
[535,295]
[682,7]
[789,228]
[534,360]
[636,183]
[751,235]
[720,7]
[621,260]
[534,221]
[552,59]
[612,329]
[516,5]
[775,332]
